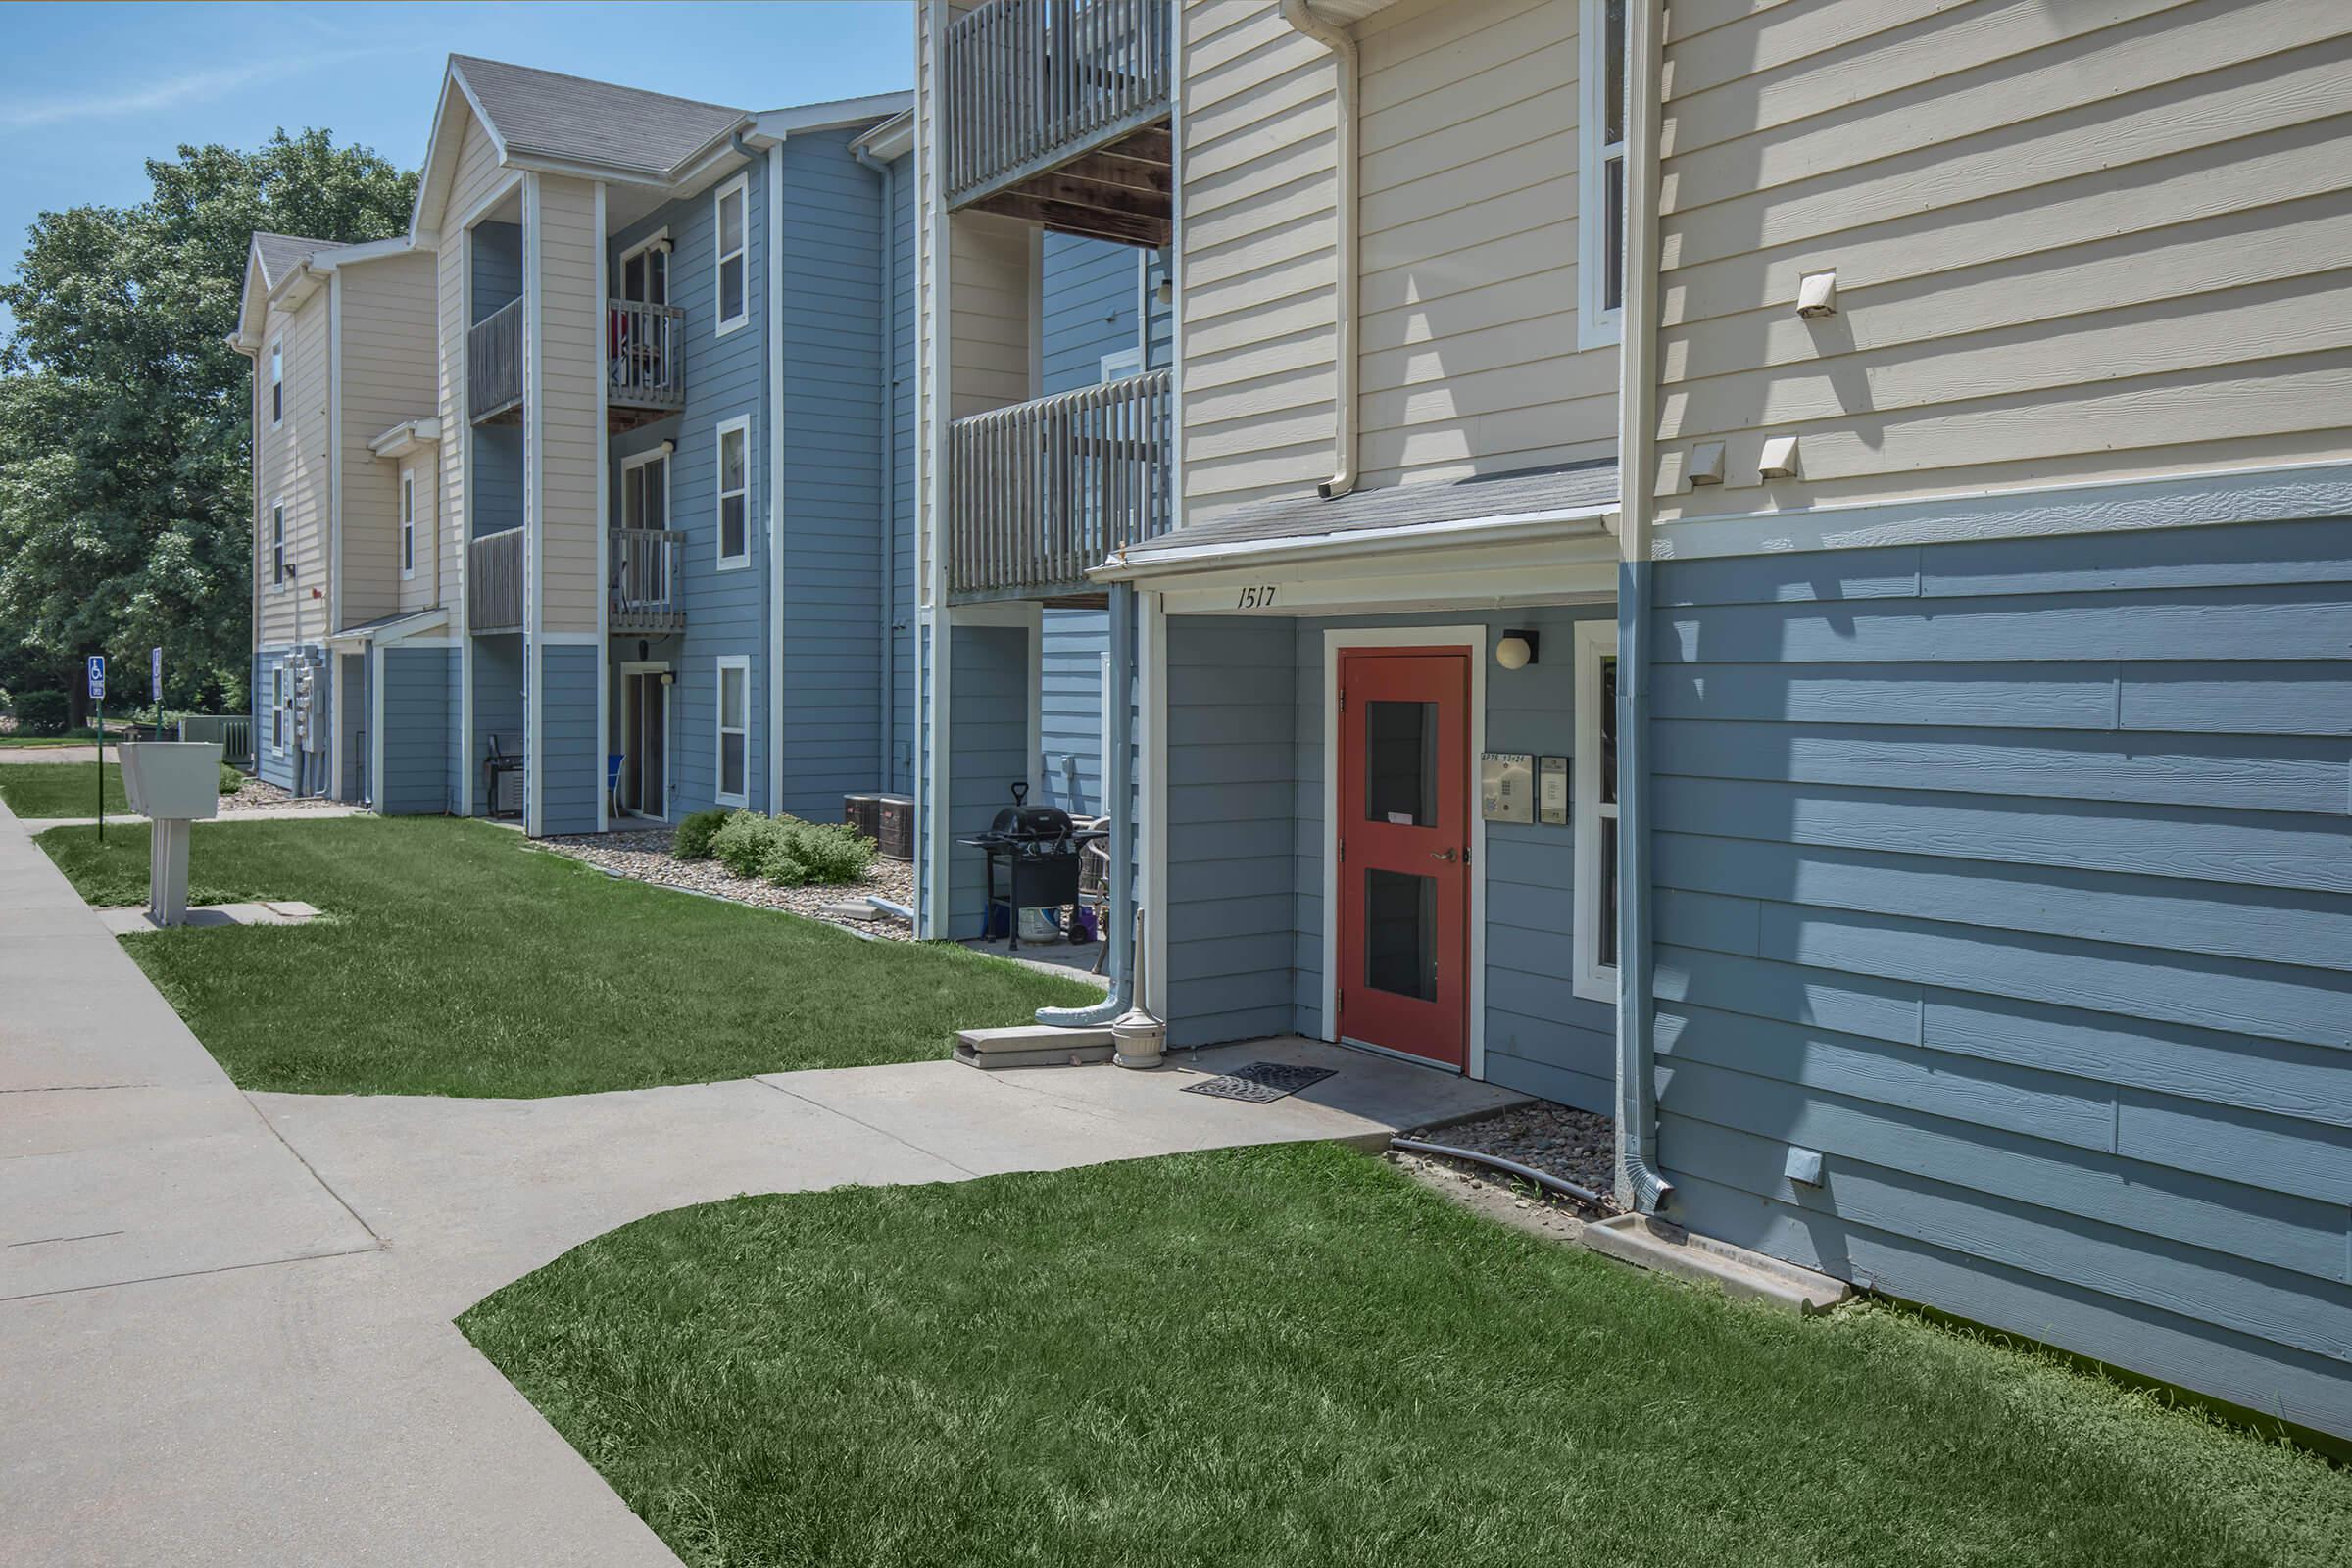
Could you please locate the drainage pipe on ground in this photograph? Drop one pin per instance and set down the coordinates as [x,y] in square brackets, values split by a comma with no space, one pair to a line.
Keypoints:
[1541,1177]
[1341,43]
[1639,1183]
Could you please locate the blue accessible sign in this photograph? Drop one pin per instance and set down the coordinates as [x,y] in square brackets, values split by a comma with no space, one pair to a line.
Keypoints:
[97,674]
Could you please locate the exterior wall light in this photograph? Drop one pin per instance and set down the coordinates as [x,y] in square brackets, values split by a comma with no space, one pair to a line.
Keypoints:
[1517,649]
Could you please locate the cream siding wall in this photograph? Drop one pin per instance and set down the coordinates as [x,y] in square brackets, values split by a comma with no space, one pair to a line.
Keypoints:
[2095,240]
[421,591]
[569,372]
[386,371]
[1466,245]
[477,174]
[293,465]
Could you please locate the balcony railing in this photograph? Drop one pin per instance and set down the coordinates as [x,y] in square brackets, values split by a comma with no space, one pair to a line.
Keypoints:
[494,364]
[645,356]
[494,582]
[646,576]
[1032,84]
[1041,492]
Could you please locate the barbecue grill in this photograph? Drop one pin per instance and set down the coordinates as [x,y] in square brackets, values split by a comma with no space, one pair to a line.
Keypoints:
[1033,860]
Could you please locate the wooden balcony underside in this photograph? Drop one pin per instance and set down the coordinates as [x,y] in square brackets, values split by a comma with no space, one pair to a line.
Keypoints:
[1118,191]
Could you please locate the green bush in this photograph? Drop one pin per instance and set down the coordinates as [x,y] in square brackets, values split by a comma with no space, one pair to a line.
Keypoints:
[781,865]
[231,778]
[830,851]
[42,713]
[742,841]
[691,840]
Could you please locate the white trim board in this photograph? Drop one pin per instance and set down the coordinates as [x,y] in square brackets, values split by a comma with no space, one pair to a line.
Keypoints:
[599,348]
[1589,977]
[719,727]
[1473,640]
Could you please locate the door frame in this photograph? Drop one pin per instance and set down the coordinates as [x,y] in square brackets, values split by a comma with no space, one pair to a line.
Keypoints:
[669,727]
[1472,640]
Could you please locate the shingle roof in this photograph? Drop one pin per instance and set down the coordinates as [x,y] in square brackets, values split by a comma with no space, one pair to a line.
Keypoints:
[549,115]
[1304,519]
[283,252]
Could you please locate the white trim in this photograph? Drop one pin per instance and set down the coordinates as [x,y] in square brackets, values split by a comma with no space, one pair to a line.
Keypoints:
[1487,580]
[597,327]
[670,730]
[534,479]
[278,544]
[661,453]
[335,370]
[1472,640]
[406,438]
[277,379]
[772,343]
[1592,980]
[405,489]
[741,425]
[374,664]
[1152,701]
[836,113]
[720,729]
[1564,522]
[450,523]
[568,639]
[1597,323]
[281,706]
[2214,496]
[1109,690]
[723,323]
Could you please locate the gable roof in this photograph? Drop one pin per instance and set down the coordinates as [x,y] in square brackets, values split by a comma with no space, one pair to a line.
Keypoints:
[545,114]
[279,254]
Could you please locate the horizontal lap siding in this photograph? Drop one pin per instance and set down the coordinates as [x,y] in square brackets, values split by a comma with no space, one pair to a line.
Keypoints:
[416,738]
[903,435]
[387,377]
[988,751]
[1071,709]
[2102,240]
[572,768]
[294,457]
[569,370]
[2016,878]
[498,709]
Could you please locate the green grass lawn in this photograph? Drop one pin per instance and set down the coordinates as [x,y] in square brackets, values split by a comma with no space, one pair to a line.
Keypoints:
[460,961]
[1296,1356]
[59,789]
[72,737]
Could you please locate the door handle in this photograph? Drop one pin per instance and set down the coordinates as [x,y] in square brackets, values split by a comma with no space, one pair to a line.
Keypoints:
[1441,854]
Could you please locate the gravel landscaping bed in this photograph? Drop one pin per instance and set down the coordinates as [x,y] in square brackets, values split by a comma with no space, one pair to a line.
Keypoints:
[1575,1145]
[643,855]
[254,797]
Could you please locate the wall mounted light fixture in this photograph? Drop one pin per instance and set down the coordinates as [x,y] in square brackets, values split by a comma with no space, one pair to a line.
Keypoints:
[1517,649]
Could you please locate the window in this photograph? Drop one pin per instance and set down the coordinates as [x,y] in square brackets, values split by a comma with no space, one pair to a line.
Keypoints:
[1600,186]
[731,274]
[281,708]
[1595,785]
[735,493]
[645,490]
[645,272]
[734,730]
[407,523]
[277,544]
[278,383]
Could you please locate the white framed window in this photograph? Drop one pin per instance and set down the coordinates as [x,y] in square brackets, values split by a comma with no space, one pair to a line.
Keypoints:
[278,383]
[1594,774]
[645,489]
[407,523]
[282,708]
[277,544]
[734,505]
[1600,176]
[645,269]
[730,217]
[734,759]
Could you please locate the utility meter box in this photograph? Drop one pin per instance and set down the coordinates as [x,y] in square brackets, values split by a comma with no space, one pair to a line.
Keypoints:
[176,779]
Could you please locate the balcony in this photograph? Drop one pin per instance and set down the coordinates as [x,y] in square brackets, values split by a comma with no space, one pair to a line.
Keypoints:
[494,583]
[494,367]
[645,581]
[1055,111]
[645,368]
[1041,492]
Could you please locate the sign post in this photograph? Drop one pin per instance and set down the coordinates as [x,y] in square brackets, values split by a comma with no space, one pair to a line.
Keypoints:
[154,682]
[98,696]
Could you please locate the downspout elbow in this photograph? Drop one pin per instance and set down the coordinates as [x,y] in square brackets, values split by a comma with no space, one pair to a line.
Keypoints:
[1301,17]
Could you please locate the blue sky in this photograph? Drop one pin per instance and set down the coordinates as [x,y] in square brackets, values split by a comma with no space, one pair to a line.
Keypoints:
[95,89]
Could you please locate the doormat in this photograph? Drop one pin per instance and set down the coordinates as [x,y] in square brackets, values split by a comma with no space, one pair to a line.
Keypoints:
[1261,1083]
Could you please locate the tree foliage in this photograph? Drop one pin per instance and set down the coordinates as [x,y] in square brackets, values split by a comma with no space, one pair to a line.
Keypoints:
[125,490]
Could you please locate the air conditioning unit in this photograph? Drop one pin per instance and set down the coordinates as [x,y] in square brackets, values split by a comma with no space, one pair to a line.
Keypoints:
[894,826]
[862,813]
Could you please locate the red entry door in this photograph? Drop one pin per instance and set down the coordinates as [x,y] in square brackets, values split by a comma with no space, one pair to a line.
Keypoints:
[1403,840]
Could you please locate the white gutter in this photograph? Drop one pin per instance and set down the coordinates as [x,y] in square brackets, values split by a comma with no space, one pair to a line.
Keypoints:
[1514,529]
[886,489]
[1342,44]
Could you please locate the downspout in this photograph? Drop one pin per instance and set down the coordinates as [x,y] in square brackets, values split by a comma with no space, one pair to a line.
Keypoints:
[1639,1183]
[885,490]
[758,147]
[1120,786]
[1342,44]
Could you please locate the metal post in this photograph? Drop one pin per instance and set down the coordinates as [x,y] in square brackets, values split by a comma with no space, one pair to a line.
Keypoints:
[102,769]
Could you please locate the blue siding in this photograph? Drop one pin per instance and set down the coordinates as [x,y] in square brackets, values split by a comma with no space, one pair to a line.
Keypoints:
[416,738]
[573,773]
[899,608]
[1071,709]
[293,768]
[726,611]
[354,724]
[2015,878]
[988,750]
[498,706]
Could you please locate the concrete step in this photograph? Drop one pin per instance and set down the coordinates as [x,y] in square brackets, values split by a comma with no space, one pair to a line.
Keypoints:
[1031,1045]
[1652,1244]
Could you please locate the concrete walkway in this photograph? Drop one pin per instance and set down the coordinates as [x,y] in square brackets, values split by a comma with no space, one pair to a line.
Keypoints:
[56,754]
[225,1318]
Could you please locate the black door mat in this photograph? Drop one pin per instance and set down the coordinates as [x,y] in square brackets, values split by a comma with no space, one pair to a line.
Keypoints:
[1261,1083]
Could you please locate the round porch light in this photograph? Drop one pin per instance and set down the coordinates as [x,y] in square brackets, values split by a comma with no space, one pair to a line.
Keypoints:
[1516,649]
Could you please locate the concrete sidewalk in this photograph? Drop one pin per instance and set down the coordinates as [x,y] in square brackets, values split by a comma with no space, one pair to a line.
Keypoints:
[225,1318]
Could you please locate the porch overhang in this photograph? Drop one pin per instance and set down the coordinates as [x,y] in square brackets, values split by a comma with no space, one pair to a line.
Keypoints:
[392,628]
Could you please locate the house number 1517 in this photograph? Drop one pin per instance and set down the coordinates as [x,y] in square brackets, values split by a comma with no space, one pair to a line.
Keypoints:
[1257,598]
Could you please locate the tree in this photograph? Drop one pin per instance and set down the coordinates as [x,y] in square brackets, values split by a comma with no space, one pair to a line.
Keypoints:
[125,489]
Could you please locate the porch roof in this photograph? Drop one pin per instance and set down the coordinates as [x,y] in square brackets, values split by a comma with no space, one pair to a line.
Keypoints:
[391,628]
[1301,522]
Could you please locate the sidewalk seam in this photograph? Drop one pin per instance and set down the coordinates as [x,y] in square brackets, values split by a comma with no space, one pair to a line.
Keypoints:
[904,1143]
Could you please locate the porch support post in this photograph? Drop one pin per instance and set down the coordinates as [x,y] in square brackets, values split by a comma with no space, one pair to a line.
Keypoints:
[1119,773]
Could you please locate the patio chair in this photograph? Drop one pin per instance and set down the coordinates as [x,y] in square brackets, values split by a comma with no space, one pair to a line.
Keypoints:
[1094,883]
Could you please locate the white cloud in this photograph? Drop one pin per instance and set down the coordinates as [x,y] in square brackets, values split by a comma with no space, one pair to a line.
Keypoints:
[195,86]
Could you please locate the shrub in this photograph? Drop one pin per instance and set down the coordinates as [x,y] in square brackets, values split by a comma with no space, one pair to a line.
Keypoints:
[830,851]
[691,840]
[742,841]
[781,865]
[230,780]
[42,713]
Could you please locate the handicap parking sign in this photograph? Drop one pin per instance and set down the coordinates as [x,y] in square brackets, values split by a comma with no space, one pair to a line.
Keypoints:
[97,674]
